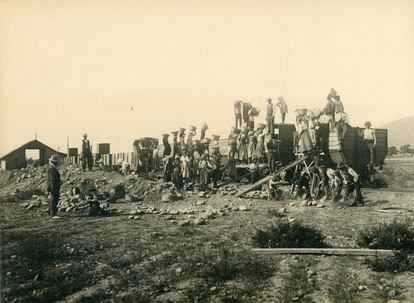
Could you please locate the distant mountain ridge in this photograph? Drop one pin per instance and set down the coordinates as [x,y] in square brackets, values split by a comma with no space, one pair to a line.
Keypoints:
[400,132]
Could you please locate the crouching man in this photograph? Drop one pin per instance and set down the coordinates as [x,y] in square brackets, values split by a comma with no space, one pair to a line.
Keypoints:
[53,186]
[349,180]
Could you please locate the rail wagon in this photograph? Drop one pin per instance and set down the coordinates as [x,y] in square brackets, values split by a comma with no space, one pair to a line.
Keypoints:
[351,150]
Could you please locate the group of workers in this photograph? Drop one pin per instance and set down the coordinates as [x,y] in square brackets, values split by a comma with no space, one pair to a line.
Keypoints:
[190,161]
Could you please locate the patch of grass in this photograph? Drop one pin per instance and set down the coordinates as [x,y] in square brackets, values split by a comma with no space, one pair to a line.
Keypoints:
[399,262]
[33,275]
[289,235]
[235,274]
[344,287]
[228,265]
[395,235]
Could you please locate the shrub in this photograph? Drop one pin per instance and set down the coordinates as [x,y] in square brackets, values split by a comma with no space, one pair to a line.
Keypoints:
[289,235]
[399,262]
[395,235]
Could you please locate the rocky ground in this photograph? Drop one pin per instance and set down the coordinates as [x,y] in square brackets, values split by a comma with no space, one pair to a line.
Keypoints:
[152,245]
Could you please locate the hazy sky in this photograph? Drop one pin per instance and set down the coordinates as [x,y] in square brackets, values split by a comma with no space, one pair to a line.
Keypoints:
[69,67]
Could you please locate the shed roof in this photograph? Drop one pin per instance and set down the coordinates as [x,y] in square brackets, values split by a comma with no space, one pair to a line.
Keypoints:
[34,144]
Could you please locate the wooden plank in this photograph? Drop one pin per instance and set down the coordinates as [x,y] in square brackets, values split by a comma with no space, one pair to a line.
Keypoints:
[324,251]
[265,179]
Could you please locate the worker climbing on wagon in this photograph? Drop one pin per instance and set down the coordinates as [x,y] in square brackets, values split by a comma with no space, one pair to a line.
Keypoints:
[349,181]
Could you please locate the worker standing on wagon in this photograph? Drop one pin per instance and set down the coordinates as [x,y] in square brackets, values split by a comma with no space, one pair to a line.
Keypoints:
[204,128]
[252,113]
[370,140]
[86,153]
[283,108]
[245,112]
[270,116]
[238,113]
[302,127]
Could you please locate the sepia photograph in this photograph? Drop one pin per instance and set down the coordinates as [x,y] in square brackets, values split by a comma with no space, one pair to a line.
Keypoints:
[206,151]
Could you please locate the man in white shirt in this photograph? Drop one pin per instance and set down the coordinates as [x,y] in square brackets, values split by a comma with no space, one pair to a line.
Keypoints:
[370,140]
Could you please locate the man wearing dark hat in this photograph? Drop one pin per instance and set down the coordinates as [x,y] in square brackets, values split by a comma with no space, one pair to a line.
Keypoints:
[53,186]
[349,180]
[86,153]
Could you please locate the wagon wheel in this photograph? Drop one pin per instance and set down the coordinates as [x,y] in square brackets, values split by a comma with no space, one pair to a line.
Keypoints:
[314,185]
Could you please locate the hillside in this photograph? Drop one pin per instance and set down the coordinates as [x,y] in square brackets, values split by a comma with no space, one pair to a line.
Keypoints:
[400,131]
